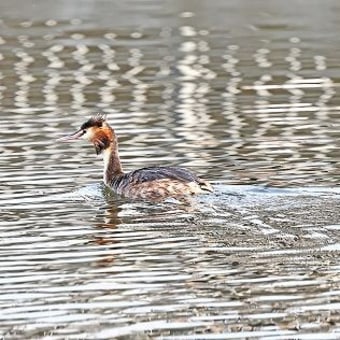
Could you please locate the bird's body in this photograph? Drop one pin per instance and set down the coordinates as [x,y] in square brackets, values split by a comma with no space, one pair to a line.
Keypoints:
[158,183]
[152,183]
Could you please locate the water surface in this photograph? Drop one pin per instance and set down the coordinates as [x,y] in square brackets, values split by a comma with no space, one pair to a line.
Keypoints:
[246,95]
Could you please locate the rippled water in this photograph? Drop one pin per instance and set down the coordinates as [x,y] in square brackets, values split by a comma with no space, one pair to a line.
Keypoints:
[243,93]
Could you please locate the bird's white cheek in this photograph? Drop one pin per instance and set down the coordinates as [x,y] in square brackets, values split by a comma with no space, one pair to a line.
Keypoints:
[88,135]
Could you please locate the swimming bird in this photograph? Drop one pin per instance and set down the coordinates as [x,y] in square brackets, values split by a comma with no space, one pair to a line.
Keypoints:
[151,183]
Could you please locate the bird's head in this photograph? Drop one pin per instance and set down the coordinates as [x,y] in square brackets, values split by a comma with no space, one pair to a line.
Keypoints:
[96,130]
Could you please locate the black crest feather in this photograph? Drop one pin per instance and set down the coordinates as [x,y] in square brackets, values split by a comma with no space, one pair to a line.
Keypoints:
[95,121]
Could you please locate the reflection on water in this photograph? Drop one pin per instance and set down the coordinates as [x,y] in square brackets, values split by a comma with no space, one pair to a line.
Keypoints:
[246,260]
[244,94]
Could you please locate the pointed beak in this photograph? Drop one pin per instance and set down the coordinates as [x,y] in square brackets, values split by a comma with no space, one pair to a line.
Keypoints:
[71,138]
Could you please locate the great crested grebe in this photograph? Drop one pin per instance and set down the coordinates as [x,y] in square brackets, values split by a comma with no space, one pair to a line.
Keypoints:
[155,183]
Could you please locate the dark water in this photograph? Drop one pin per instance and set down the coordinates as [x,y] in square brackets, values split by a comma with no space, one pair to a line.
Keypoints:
[245,93]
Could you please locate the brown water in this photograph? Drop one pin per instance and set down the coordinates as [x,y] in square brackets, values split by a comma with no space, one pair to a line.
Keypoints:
[245,94]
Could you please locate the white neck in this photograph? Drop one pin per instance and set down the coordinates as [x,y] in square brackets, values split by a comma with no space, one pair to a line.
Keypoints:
[112,166]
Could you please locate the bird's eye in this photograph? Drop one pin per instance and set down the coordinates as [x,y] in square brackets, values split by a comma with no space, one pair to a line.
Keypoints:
[84,131]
